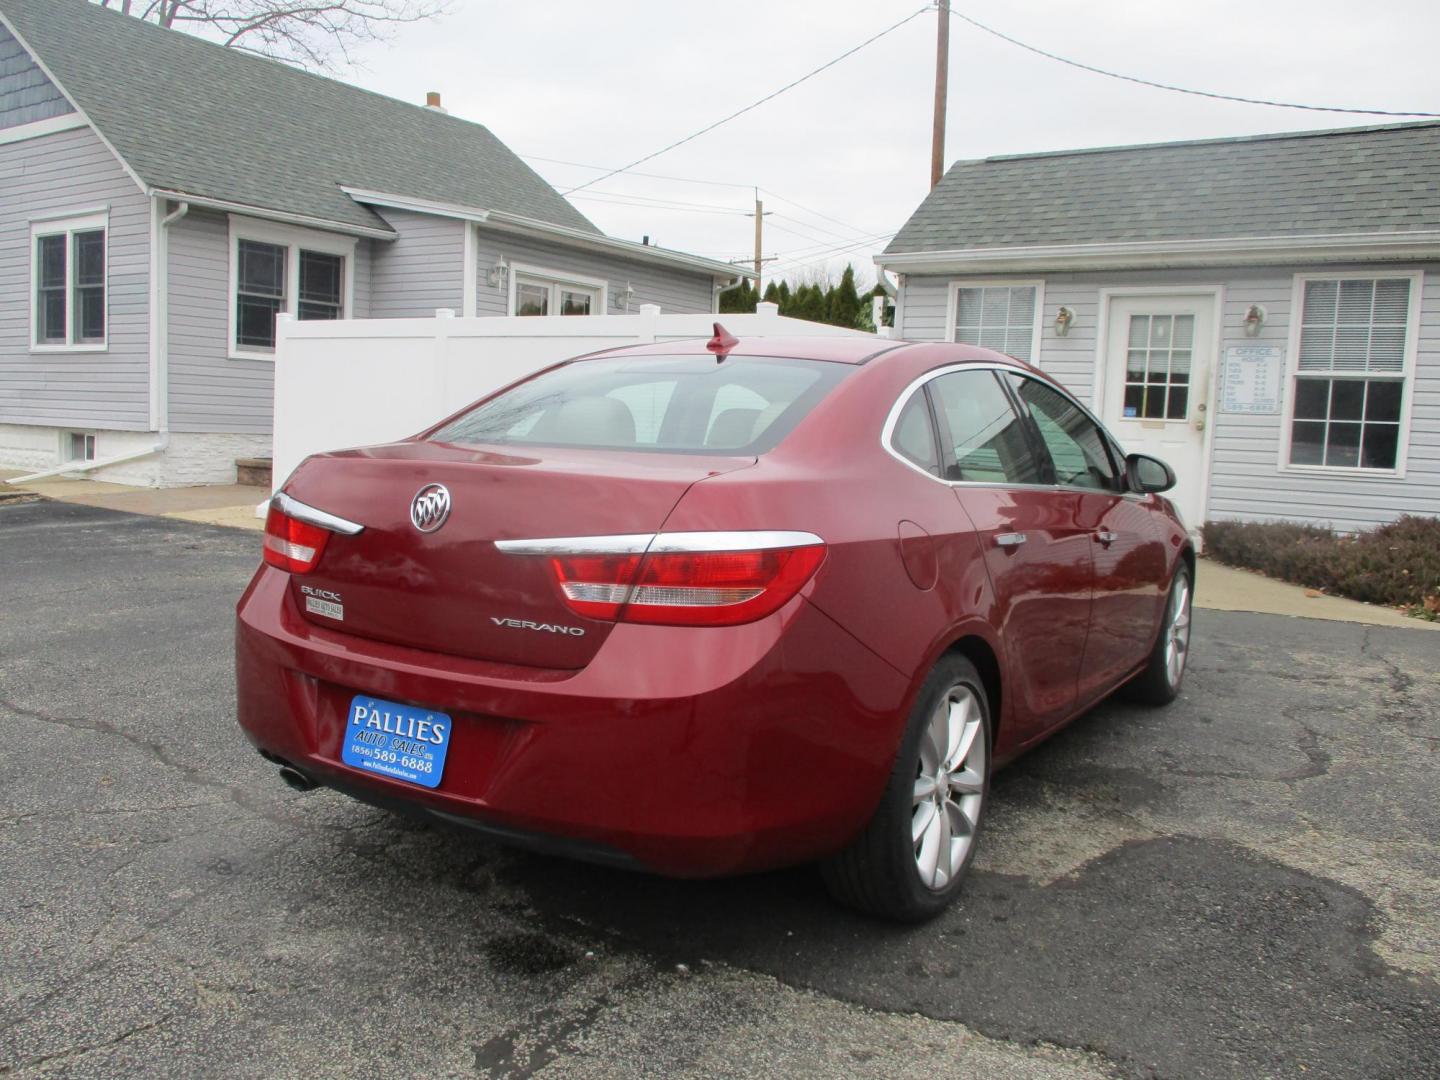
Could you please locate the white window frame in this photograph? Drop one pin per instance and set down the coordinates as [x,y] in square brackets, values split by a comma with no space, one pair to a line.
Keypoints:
[293,239]
[1406,374]
[952,306]
[557,279]
[68,226]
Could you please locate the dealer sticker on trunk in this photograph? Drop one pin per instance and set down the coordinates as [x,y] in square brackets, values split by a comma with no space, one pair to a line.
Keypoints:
[400,741]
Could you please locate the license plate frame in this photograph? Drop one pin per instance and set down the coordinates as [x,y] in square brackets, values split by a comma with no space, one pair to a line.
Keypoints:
[398,741]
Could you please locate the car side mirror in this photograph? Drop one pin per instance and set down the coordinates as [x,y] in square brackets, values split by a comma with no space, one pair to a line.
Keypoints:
[1147,474]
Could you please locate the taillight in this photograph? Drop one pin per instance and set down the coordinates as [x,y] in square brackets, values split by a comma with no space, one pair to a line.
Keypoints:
[680,579]
[292,544]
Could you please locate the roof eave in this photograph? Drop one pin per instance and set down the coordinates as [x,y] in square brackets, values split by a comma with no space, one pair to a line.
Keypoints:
[1149,254]
[609,244]
[266,214]
[517,223]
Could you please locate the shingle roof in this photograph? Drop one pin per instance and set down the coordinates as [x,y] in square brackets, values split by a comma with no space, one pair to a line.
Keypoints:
[1371,179]
[191,116]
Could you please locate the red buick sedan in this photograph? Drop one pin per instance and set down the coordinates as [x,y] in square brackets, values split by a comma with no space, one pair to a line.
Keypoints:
[711,608]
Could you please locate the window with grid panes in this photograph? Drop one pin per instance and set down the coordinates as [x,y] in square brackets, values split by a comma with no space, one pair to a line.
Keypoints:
[69,286]
[1350,375]
[1157,367]
[999,317]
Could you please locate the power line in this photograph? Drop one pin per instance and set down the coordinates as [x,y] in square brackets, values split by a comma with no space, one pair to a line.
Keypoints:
[813,211]
[628,199]
[851,235]
[754,105]
[1177,89]
[671,209]
[822,241]
[652,176]
[798,260]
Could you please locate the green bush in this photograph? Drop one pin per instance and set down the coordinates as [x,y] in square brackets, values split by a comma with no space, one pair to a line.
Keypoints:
[1396,564]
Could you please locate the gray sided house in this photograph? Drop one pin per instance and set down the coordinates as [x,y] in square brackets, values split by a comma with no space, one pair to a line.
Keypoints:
[1263,313]
[162,199]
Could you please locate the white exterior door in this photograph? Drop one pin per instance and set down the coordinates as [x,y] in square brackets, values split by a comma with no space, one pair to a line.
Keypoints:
[1159,358]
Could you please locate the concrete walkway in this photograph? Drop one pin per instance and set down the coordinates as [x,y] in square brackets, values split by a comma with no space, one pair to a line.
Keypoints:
[1220,587]
[231,505]
[1225,588]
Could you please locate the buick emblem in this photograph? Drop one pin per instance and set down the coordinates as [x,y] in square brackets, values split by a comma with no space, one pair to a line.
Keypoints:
[430,507]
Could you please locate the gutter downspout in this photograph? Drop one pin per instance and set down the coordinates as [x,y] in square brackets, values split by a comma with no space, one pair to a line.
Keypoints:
[717,289]
[86,466]
[160,317]
[159,352]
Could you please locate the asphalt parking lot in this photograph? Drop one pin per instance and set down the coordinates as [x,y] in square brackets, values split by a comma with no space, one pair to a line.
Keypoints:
[1246,884]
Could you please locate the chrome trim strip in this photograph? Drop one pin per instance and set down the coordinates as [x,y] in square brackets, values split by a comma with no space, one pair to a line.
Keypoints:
[759,540]
[636,544]
[633,544]
[294,508]
[904,399]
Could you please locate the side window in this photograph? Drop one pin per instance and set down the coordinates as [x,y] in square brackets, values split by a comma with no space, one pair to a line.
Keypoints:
[914,434]
[1076,446]
[986,435]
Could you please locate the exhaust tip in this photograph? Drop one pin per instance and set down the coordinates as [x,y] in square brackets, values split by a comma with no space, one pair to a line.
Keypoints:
[297,780]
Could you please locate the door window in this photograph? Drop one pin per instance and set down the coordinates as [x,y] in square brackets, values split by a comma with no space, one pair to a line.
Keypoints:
[985,435]
[1157,367]
[1077,448]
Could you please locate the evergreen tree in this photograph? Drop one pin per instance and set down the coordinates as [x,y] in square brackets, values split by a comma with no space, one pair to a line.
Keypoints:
[772,293]
[844,301]
[741,299]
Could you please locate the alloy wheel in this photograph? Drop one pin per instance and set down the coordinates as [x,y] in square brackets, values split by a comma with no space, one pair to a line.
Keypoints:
[1177,631]
[949,786]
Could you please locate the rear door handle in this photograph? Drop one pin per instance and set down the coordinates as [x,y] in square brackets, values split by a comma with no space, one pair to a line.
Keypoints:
[1107,538]
[1009,539]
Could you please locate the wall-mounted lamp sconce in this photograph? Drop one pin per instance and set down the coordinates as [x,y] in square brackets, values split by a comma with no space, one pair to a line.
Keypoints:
[624,296]
[498,274]
[1063,318]
[1254,320]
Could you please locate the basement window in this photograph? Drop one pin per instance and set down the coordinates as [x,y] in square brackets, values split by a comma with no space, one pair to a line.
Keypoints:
[81,446]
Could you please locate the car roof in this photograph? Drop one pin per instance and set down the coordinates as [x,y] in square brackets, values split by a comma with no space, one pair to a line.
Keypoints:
[838,349]
[843,350]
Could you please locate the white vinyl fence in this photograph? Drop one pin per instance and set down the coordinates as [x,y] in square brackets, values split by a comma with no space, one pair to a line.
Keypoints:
[356,382]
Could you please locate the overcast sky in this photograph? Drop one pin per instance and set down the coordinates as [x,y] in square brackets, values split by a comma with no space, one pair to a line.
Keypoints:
[604,84]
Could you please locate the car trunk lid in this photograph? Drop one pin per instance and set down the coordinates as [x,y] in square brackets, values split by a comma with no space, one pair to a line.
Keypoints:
[451,590]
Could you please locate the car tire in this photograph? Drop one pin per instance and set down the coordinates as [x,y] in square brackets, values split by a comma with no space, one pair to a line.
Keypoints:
[887,870]
[1159,683]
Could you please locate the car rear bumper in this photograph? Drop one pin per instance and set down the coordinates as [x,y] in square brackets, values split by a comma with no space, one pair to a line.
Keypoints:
[689,751]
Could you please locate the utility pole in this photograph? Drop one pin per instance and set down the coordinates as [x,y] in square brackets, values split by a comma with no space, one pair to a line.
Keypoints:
[942,82]
[759,233]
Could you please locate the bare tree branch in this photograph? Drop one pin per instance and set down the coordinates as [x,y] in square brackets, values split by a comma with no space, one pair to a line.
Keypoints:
[319,35]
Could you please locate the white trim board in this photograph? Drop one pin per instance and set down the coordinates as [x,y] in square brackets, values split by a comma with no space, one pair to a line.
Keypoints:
[517,223]
[1413,245]
[40,128]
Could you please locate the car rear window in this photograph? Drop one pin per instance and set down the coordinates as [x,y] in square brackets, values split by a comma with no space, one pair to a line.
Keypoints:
[680,404]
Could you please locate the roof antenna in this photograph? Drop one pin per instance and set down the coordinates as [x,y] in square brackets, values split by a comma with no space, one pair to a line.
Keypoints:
[721,343]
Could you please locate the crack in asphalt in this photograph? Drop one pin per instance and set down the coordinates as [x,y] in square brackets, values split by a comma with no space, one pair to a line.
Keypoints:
[76,1051]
